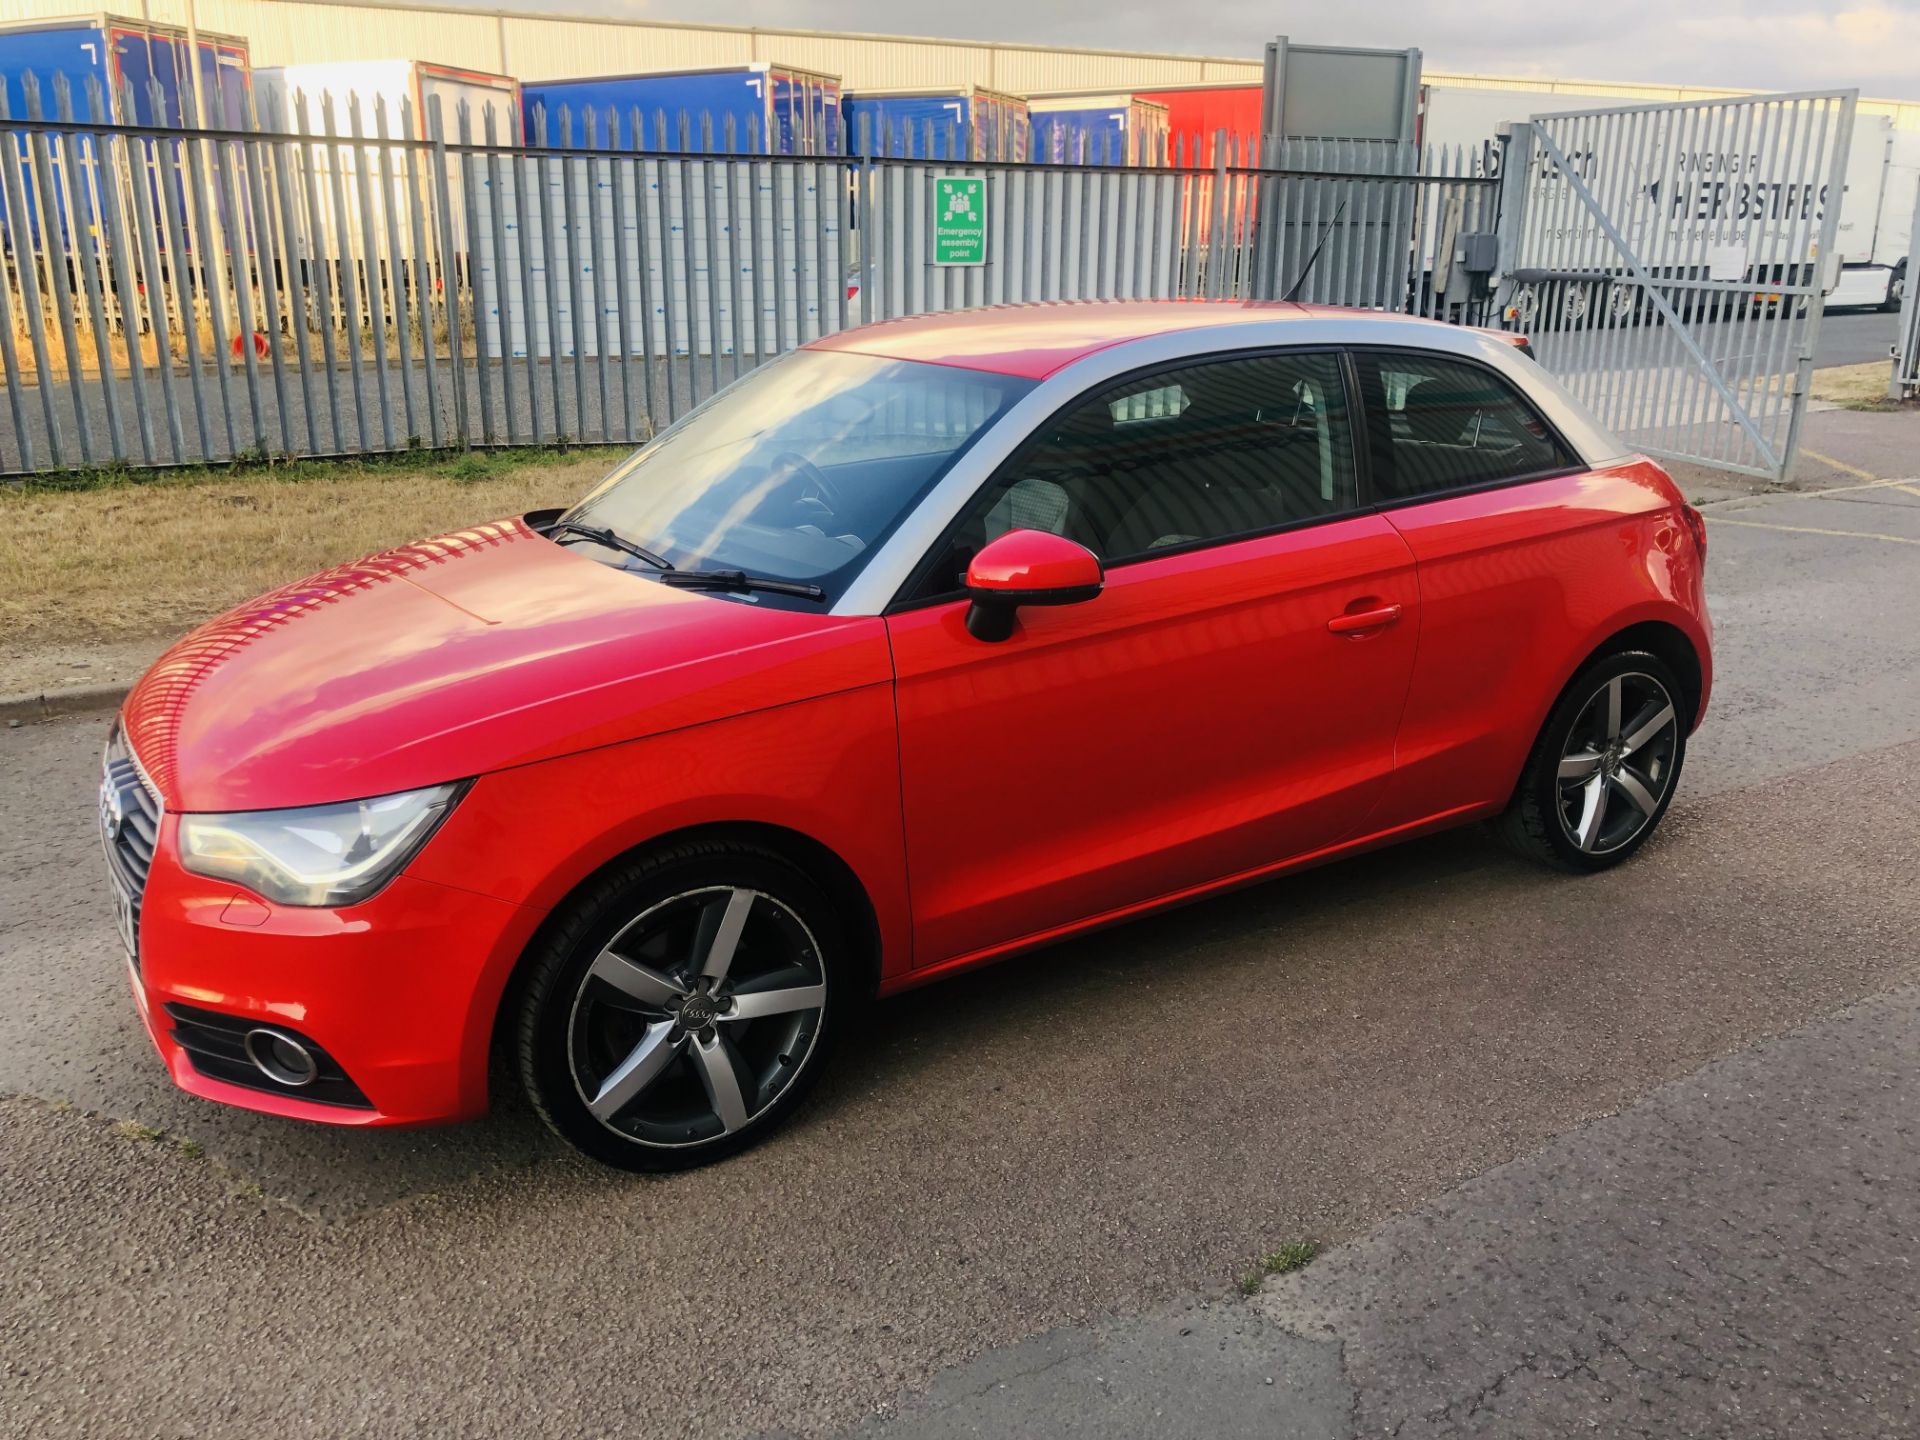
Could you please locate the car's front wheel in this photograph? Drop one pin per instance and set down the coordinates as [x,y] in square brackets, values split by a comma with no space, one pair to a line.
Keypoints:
[1604,767]
[679,1009]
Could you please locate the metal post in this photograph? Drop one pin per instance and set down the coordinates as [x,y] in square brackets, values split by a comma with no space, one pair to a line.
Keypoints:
[481,358]
[1905,379]
[449,281]
[19,170]
[1516,175]
[1817,299]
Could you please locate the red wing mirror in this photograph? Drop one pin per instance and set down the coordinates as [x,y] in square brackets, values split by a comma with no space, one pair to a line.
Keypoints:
[1027,567]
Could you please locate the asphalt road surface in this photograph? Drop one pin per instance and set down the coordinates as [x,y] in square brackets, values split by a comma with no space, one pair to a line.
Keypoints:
[1022,1199]
[535,403]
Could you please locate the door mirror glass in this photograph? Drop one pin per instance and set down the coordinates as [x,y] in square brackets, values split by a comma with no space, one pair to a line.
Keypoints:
[1027,567]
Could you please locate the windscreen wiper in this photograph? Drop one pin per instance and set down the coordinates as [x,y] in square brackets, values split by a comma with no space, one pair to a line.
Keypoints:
[601,535]
[740,580]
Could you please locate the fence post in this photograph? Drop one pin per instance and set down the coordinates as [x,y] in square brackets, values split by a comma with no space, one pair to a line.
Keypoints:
[1816,302]
[348,279]
[372,283]
[115,258]
[1905,378]
[1215,276]
[482,365]
[27,268]
[502,291]
[294,238]
[397,269]
[449,278]
[570,227]
[1510,220]
[265,250]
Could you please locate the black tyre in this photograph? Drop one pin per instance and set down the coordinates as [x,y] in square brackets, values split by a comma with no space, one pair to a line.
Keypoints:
[1604,768]
[682,1006]
[1896,289]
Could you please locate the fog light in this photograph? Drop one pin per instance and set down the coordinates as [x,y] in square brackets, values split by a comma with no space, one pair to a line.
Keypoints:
[280,1057]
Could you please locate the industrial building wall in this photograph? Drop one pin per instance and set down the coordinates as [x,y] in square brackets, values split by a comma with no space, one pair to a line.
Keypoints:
[542,47]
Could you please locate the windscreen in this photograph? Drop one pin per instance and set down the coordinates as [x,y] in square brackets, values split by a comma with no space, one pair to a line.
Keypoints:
[800,469]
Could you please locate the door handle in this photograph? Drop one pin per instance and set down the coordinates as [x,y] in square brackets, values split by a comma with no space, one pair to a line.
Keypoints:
[1353,622]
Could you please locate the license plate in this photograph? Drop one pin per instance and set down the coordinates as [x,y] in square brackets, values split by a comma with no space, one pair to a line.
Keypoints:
[123,922]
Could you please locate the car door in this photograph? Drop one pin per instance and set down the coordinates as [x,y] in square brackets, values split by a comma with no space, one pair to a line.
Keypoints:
[1522,550]
[1227,702]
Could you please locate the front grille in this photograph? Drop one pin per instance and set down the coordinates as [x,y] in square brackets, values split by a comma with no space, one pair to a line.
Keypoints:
[216,1044]
[130,812]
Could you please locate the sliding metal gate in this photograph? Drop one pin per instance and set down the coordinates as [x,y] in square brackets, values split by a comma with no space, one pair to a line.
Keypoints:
[1669,265]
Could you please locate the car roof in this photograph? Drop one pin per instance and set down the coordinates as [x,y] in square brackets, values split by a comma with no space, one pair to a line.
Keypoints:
[1036,340]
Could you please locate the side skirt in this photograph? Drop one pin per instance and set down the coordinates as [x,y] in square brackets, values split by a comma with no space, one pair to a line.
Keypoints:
[1446,819]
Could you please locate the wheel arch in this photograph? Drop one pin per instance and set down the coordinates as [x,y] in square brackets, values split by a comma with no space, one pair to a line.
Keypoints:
[1661,638]
[818,861]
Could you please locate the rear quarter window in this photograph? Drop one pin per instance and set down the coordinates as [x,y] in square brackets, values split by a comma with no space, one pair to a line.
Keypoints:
[1437,424]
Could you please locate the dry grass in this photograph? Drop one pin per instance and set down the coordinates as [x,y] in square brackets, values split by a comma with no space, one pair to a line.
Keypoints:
[1857,387]
[120,563]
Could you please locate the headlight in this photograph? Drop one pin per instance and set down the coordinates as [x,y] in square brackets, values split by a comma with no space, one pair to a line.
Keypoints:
[320,855]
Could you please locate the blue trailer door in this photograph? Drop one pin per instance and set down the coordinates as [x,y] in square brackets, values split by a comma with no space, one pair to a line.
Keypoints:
[1081,137]
[901,124]
[132,52]
[79,53]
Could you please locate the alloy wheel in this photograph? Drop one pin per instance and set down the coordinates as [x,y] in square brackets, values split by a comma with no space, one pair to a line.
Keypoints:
[1618,763]
[696,1016]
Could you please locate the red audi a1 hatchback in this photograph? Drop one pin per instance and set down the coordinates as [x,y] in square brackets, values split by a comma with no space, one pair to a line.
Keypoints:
[929,643]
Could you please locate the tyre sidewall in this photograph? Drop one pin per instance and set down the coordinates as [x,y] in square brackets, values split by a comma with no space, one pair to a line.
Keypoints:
[577,940]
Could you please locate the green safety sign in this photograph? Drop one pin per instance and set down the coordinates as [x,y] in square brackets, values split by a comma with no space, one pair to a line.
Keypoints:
[959,220]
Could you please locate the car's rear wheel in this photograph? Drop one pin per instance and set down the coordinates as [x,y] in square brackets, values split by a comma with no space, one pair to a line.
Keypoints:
[1604,768]
[682,1006]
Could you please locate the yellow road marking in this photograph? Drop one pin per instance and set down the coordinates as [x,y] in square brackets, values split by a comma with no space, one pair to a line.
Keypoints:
[1754,502]
[1841,465]
[1906,489]
[1812,530]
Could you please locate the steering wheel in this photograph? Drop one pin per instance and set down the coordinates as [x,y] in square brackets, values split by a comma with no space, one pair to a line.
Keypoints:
[820,490]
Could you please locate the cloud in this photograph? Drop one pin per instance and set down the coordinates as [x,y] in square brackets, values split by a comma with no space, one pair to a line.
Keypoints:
[1744,44]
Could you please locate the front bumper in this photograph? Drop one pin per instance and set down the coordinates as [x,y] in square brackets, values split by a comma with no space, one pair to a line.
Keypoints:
[400,991]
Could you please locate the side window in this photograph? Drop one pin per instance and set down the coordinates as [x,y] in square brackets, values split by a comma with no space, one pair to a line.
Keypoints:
[1438,424]
[1196,453]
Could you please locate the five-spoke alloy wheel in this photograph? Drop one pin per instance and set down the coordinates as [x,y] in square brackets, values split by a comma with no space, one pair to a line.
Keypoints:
[681,1006]
[1618,763]
[1604,768]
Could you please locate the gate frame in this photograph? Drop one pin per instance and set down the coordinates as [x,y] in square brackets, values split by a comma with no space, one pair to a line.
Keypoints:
[1516,192]
[1905,379]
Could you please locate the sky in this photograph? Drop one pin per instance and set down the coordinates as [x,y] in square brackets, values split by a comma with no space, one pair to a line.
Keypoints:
[1761,44]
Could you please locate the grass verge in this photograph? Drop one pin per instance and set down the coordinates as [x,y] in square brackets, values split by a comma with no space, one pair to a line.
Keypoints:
[118,562]
[1856,387]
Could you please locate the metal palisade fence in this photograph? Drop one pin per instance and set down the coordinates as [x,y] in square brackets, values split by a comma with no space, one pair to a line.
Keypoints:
[347,279]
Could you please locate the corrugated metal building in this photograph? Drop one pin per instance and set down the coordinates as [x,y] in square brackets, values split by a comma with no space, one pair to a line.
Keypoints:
[544,47]
[532,46]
